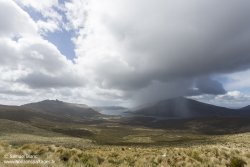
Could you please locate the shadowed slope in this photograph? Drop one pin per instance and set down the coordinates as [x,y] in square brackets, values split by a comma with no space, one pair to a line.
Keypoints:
[187,108]
[48,110]
[67,110]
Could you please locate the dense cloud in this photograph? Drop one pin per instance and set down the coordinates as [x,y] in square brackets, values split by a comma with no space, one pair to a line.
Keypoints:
[164,40]
[41,80]
[38,64]
[141,50]
[14,21]
[26,58]
[130,45]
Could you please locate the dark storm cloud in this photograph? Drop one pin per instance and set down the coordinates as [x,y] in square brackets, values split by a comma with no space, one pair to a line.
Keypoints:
[206,85]
[40,80]
[138,50]
[14,92]
[166,41]
[210,86]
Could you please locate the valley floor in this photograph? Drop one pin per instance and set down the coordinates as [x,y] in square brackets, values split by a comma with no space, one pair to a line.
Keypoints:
[113,143]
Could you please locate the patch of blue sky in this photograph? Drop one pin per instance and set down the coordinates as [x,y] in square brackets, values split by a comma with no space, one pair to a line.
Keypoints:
[61,38]
[35,15]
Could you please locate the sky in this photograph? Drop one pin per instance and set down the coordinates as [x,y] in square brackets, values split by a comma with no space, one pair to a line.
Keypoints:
[125,52]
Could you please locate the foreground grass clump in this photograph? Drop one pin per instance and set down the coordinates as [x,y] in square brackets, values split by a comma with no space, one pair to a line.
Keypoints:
[236,162]
[230,155]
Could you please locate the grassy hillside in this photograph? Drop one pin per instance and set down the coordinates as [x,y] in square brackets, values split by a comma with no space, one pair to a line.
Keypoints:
[67,110]
[233,152]
[49,111]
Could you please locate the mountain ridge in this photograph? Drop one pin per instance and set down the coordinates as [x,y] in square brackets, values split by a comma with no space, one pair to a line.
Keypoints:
[181,107]
[53,110]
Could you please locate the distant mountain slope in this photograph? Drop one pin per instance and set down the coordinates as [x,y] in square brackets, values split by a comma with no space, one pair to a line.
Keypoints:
[49,110]
[66,110]
[187,108]
[245,111]
[17,113]
[247,108]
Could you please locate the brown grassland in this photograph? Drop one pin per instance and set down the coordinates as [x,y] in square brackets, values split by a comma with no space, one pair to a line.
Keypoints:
[78,145]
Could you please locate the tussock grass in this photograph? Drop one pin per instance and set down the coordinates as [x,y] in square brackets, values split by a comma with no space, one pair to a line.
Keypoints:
[199,156]
[236,162]
[108,146]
